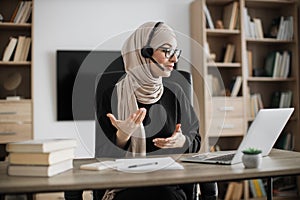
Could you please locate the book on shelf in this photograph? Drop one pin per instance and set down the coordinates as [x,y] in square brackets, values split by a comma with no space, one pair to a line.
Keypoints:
[285,100]
[230,15]
[285,28]
[258,28]
[285,141]
[256,104]
[209,21]
[277,64]
[19,48]
[253,26]
[44,158]
[249,63]
[229,53]
[214,85]
[22,12]
[9,50]
[236,86]
[246,22]
[257,188]
[40,170]
[234,191]
[43,145]
[27,12]
[25,49]
[249,24]
[281,99]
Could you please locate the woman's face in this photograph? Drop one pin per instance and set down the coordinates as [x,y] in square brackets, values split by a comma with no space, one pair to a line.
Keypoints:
[165,57]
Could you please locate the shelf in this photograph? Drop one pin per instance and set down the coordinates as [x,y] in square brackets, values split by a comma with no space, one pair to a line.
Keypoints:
[221,32]
[10,25]
[221,64]
[12,63]
[270,79]
[269,40]
[268,3]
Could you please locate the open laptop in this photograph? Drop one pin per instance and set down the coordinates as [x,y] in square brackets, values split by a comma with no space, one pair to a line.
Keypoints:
[262,134]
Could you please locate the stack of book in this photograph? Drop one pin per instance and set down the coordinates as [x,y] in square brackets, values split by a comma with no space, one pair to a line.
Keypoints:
[17,49]
[43,158]
[22,12]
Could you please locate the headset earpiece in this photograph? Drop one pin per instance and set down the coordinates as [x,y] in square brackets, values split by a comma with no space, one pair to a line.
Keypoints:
[147,52]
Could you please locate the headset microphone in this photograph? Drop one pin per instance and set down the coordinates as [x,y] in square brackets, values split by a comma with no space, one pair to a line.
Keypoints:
[147,51]
[156,63]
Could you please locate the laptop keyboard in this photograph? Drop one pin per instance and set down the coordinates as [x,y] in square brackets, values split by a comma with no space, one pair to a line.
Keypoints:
[226,157]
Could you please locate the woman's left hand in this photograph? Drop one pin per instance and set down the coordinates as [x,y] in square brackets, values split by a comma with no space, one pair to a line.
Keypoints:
[176,140]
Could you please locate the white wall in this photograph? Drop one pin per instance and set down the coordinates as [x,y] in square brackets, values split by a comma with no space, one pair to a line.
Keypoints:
[87,24]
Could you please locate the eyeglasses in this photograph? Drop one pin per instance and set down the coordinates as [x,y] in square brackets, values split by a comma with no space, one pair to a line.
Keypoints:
[169,53]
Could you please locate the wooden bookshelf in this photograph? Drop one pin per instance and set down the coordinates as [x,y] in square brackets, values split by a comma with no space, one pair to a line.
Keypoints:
[203,67]
[16,115]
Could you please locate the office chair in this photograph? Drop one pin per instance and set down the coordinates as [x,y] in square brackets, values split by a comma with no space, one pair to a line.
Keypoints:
[184,80]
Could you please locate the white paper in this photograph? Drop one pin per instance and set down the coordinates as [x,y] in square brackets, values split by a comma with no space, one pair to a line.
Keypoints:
[147,164]
[110,164]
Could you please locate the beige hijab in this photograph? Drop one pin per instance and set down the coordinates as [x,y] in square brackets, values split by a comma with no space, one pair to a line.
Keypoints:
[139,85]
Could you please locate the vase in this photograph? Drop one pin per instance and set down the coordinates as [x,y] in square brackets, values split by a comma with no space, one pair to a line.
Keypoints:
[252,160]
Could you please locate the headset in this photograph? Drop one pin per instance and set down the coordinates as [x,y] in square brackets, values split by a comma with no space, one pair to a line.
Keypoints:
[147,50]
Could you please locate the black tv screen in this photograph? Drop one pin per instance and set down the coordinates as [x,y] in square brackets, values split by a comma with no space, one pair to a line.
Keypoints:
[77,72]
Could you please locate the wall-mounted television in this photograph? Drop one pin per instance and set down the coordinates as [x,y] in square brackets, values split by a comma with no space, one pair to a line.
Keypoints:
[77,72]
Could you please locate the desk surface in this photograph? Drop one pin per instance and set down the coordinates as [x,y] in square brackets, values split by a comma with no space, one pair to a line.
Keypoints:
[277,164]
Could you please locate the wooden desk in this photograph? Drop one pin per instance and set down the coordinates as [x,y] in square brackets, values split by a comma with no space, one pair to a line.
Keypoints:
[279,163]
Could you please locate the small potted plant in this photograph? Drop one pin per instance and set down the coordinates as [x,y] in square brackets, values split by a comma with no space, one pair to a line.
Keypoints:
[252,157]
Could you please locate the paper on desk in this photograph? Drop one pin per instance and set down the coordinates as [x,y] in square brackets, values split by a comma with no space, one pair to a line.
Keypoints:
[135,164]
[147,164]
[110,164]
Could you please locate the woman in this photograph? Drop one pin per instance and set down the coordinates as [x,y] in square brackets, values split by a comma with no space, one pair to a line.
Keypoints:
[150,118]
[142,116]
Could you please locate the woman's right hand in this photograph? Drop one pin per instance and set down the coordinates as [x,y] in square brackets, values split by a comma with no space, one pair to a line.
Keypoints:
[129,125]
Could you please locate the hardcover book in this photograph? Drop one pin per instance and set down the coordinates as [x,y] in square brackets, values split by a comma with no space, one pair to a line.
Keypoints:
[47,158]
[40,170]
[46,145]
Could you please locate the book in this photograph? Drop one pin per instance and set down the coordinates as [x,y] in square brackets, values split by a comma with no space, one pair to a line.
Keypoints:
[27,12]
[258,28]
[229,53]
[269,63]
[47,158]
[238,191]
[25,50]
[20,4]
[40,170]
[234,191]
[250,63]
[18,12]
[229,191]
[46,145]
[252,188]
[236,87]
[8,52]
[19,48]
[230,14]
[209,21]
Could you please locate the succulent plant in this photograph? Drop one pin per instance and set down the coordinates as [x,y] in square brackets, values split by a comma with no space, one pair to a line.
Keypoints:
[252,151]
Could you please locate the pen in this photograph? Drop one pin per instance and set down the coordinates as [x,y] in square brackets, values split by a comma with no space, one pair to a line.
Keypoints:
[141,165]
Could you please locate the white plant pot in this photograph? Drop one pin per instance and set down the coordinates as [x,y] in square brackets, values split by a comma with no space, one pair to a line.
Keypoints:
[252,160]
